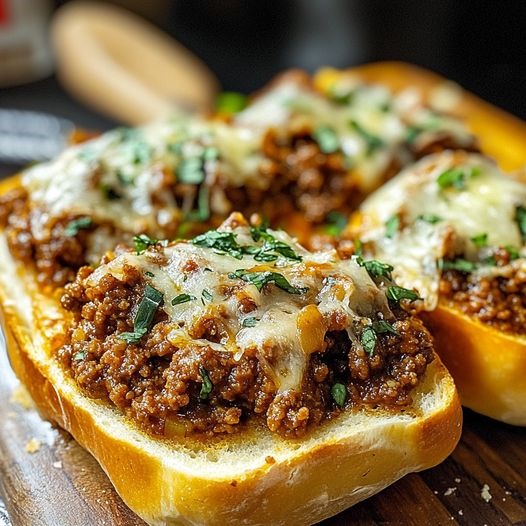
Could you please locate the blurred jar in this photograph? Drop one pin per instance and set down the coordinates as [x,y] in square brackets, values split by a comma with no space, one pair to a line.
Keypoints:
[25,51]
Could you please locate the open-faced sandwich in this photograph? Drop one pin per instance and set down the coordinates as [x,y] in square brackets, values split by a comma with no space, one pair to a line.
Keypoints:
[236,377]
[454,228]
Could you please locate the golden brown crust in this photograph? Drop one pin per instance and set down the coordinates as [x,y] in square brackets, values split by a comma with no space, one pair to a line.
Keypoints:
[489,366]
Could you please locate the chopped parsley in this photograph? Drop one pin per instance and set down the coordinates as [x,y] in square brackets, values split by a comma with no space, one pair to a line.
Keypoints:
[327,139]
[142,242]
[123,179]
[368,340]
[76,225]
[412,132]
[396,293]
[429,218]
[149,274]
[202,212]
[205,295]
[462,265]
[221,242]
[141,152]
[231,102]
[375,268]
[226,243]
[520,217]
[391,226]
[191,171]
[382,327]
[372,142]
[457,177]
[260,279]
[512,252]
[182,298]
[480,240]
[271,247]
[78,356]
[143,320]
[339,394]
[206,385]
[249,322]
[336,223]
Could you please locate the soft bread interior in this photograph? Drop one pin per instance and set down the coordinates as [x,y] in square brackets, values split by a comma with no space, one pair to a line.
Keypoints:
[253,478]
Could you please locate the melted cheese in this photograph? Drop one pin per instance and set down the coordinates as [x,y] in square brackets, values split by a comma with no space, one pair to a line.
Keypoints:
[288,327]
[132,163]
[487,205]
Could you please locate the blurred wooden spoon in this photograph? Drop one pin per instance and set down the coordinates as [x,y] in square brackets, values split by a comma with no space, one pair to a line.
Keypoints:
[125,67]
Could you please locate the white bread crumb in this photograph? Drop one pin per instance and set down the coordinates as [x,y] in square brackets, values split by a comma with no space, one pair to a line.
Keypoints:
[485,494]
[57,464]
[449,491]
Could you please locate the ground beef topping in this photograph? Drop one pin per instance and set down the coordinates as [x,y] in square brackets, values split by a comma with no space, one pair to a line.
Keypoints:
[217,351]
[498,300]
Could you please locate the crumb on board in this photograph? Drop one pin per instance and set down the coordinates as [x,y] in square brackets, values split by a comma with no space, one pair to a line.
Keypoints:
[57,464]
[484,493]
[33,445]
[449,491]
[461,512]
[21,396]
[457,480]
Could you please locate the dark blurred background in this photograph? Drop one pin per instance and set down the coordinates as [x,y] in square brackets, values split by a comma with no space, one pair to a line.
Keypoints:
[245,42]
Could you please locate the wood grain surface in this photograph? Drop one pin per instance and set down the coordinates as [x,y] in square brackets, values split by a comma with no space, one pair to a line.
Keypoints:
[60,484]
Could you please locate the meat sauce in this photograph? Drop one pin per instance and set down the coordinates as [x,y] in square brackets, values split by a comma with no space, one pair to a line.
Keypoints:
[160,385]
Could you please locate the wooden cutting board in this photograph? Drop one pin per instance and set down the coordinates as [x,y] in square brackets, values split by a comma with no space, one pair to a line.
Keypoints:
[60,484]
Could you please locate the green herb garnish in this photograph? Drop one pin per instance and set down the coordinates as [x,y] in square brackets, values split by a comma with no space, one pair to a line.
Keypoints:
[457,177]
[327,139]
[222,242]
[74,226]
[141,152]
[339,394]
[78,356]
[125,180]
[391,226]
[202,213]
[512,252]
[429,218]
[231,102]
[271,247]
[368,340]
[520,217]
[260,279]
[207,385]
[382,326]
[143,320]
[149,274]
[190,171]
[205,295]
[336,223]
[372,141]
[142,242]
[182,298]
[375,268]
[462,265]
[480,240]
[396,293]
[249,322]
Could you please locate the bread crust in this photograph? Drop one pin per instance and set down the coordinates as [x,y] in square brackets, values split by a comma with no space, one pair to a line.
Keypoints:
[489,366]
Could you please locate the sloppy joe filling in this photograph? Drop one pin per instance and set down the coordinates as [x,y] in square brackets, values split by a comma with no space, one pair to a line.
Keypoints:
[301,157]
[241,325]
